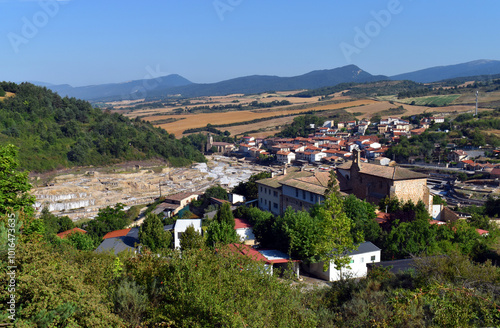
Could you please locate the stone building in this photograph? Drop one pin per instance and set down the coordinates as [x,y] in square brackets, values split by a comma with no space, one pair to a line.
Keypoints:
[373,182]
[300,190]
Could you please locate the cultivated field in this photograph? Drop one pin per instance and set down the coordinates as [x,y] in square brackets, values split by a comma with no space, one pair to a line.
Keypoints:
[201,120]
[273,124]
[435,101]
[125,107]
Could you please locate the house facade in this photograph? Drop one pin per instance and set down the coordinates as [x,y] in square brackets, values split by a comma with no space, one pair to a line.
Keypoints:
[365,254]
[299,189]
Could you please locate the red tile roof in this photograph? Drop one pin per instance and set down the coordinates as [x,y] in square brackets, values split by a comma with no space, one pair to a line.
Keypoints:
[241,224]
[254,254]
[117,233]
[66,233]
[482,232]
[383,217]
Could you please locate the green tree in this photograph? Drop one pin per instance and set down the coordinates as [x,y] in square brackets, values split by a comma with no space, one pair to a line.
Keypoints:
[224,214]
[14,185]
[300,234]
[362,215]
[249,188]
[130,301]
[411,238]
[81,241]
[221,233]
[108,219]
[191,239]
[152,235]
[337,240]
[216,192]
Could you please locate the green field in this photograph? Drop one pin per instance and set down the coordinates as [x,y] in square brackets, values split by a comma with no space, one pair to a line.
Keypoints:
[435,101]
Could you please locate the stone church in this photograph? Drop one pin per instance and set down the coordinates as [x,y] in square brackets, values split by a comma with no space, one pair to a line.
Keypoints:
[373,182]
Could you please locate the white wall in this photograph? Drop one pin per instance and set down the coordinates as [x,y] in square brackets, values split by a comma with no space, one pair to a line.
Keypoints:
[357,269]
[181,225]
[245,234]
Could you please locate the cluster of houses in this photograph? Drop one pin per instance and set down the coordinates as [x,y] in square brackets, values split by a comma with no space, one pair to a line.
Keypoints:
[343,145]
[330,143]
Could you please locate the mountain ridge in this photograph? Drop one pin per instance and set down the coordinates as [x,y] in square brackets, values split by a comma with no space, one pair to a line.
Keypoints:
[176,85]
[445,72]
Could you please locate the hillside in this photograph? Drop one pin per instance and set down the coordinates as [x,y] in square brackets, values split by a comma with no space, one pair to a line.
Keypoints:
[262,83]
[54,132]
[164,87]
[433,74]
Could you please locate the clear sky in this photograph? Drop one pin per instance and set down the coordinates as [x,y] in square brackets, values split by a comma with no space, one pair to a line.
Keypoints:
[82,42]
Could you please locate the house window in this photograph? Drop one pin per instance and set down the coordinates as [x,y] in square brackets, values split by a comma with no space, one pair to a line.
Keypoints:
[275,205]
[303,194]
[362,260]
[296,192]
[265,201]
[373,258]
[179,235]
[275,194]
[311,197]
[352,261]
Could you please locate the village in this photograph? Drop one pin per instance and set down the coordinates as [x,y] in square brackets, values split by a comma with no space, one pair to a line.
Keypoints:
[299,177]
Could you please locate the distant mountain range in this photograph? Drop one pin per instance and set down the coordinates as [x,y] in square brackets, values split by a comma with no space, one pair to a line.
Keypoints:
[176,85]
[439,73]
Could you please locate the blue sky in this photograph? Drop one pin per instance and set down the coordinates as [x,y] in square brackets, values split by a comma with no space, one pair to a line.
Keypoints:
[82,42]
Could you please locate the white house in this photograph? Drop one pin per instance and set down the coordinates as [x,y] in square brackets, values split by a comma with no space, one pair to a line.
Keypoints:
[180,227]
[235,198]
[316,156]
[382,161]
[285,157]
[329,124]
[245,231]
[366,253]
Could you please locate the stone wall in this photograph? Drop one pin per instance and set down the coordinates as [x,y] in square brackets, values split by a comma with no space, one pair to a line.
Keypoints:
[413,190]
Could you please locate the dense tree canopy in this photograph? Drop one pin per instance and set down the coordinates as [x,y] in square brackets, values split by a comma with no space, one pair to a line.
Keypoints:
[152,234]
[14,184]
[58,132]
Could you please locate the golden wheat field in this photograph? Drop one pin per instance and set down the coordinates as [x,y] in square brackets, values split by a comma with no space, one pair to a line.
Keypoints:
[201,120]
